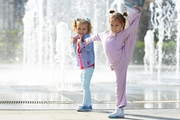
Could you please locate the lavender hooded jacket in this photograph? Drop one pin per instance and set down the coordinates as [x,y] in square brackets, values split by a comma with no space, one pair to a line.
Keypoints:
[119,48]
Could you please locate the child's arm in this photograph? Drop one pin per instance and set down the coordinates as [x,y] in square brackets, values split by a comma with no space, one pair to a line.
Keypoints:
[95,37]
[132,15]
[74,41]
[88,47]
[133,19]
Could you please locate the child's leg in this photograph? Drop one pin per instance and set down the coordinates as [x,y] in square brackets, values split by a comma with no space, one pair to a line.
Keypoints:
[129,46]
[121,72]
[86,79]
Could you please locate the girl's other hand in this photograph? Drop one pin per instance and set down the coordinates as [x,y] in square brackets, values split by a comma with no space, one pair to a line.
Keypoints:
[136,7]
[74,39]
[111,68]
[79,40]
[85,43]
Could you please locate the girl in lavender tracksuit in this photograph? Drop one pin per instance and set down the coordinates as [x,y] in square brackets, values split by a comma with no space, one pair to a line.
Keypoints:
[85,59]
[118,44]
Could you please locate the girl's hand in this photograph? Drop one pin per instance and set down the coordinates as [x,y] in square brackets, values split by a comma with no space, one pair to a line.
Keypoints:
[74,39]
[136,7]
[79,40]
[85,43]
[111,68]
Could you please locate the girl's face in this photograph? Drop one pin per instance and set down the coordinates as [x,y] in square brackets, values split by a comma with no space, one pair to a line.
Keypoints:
[82,29]
[115,26]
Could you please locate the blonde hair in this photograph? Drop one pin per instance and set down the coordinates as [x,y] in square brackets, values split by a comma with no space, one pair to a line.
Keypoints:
[82,21]
[119,16]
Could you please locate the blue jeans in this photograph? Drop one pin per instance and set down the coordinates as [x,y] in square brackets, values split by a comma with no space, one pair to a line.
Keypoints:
[86,75]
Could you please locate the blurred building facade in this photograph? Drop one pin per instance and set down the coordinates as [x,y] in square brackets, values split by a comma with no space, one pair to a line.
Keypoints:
[11,13]
[11,25]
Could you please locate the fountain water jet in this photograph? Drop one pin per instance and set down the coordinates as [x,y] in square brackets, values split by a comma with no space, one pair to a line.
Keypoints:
[177,3]
[149,57]
[54,61]
[157,19]
[162,16]
[51,51]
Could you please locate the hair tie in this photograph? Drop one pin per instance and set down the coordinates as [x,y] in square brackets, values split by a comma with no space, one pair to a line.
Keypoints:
[87,19]
[124,16]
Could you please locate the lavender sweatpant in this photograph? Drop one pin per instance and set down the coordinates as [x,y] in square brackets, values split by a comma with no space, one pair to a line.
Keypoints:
[121,70]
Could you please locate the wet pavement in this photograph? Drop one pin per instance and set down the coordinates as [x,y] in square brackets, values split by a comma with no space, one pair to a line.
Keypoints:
[145,102]
[103,97]
[148,97]
[139,114]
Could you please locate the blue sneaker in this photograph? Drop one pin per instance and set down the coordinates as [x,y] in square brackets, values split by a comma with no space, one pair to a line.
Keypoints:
[84,108]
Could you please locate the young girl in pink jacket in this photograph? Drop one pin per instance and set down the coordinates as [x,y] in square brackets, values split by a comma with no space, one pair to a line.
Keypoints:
[118,44]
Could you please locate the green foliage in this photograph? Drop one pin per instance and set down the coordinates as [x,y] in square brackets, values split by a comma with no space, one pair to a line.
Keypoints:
[138,53]
[11,49]
[169,52]
[10,46]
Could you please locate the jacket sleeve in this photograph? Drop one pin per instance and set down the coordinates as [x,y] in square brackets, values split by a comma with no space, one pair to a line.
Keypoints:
[88,47]
[133,20]
[95,37]
[74,46]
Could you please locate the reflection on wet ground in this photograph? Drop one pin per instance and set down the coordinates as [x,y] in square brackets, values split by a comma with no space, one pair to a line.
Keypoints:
[38,89]
[103,95]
